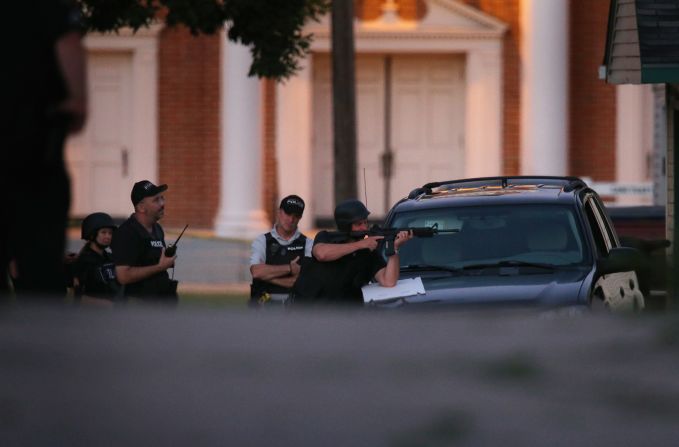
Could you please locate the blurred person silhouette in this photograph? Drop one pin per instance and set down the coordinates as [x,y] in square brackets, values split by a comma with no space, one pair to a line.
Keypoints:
[43,100]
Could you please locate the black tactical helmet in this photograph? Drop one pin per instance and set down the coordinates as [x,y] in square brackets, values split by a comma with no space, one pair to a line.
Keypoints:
[348,212]
[93,223]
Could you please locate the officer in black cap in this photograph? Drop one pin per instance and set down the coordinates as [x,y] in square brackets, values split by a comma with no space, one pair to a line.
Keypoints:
[340,266]
[94,270]
[139,248]
[276,256]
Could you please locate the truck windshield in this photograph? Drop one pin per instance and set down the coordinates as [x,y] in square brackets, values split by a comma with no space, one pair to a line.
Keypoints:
[541,234]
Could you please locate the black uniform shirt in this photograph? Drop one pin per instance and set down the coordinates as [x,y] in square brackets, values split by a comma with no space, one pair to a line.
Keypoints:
[340,280]
[133,246]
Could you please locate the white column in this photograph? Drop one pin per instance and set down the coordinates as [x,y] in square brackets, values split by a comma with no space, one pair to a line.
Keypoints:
[483,115]
[240,203]
[634,137]
[293,139]
[544,87]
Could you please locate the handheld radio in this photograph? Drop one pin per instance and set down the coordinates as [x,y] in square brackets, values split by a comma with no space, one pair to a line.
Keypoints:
[172,249]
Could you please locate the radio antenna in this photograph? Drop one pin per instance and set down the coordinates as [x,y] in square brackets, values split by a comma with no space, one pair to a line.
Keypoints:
[365,189]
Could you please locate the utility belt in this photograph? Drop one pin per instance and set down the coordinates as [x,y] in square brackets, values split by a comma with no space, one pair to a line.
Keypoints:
[272,298]
[160,288]
[263,293]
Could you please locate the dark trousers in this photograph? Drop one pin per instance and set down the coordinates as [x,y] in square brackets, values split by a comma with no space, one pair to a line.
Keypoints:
[35,193]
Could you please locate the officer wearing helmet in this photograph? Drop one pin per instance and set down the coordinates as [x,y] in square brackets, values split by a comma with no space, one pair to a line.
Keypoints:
[340,266]
[94,272]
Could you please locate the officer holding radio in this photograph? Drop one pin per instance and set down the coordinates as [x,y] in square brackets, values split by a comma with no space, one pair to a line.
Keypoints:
[276,256]
[139,251]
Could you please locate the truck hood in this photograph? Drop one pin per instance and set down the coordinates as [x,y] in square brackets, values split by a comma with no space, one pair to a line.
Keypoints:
[560,287]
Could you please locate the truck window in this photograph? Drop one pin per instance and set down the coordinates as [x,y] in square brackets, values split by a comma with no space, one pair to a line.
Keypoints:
[596,224]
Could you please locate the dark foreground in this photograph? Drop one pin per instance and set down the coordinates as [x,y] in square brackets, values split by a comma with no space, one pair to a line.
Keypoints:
[224,377]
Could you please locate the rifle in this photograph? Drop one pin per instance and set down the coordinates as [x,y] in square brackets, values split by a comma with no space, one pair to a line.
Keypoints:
[172,249]
[390,234]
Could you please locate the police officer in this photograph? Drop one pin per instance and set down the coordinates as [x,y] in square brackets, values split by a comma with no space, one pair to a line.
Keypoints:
[342,264]
[139,248]
[276,256]
[94,270]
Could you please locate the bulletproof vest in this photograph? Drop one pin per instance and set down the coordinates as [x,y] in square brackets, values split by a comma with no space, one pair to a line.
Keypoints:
[277,254]
[96,275]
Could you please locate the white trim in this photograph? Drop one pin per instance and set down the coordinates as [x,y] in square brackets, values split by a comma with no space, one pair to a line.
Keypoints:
[143,46]
[481,18]
[450,28]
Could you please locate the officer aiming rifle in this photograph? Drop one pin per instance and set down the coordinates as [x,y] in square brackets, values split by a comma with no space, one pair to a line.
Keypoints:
[345,260]
[389,235]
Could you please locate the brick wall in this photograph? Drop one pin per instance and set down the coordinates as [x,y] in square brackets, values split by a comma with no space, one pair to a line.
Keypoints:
[592,102]
[270,199]
[508,12]
[189,107]
[188,140]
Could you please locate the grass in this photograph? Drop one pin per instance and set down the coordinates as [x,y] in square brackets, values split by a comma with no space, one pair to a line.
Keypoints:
[212,299]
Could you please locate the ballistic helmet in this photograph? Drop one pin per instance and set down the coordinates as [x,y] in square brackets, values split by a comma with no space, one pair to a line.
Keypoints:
[348,212]
[93,223]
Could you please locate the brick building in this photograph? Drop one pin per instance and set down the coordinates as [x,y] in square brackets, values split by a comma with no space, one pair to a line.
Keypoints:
[460,89]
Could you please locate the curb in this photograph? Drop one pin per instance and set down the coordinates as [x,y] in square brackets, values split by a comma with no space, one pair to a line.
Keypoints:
[213,289]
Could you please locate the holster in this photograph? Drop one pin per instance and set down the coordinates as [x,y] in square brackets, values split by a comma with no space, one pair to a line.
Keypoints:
[172,287]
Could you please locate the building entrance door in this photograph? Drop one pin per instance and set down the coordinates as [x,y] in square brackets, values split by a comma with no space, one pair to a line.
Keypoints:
[100,158]
[409,107]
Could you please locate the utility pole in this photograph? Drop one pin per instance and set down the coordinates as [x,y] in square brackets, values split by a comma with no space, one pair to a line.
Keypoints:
[344,100]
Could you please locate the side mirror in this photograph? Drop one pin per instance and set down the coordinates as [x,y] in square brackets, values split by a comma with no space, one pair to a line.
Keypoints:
[619,259]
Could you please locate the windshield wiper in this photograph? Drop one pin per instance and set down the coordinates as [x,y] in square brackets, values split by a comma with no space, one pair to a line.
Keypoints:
[509,263]
[428,267]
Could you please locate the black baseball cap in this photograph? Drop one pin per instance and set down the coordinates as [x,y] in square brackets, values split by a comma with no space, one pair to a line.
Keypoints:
[144,189]
[293,205]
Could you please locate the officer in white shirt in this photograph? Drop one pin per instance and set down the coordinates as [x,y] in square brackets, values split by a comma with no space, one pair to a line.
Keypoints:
[276,255]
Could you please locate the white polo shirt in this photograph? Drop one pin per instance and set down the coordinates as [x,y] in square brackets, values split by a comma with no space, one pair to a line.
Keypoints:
[258,249]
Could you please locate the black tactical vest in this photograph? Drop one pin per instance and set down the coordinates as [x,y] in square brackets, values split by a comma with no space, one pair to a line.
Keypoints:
[277,254]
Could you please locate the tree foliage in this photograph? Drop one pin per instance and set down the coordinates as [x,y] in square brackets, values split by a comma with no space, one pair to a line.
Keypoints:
[271,28]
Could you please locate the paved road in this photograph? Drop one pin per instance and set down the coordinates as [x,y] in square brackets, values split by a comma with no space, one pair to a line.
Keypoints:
[249,378]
